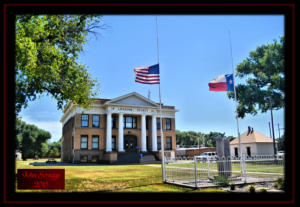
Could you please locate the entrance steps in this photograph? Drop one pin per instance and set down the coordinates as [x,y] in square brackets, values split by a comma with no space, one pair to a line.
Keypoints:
[149,158]
[128,158]
[135,158]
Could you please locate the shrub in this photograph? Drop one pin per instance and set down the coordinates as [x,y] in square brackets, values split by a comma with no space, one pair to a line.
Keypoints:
[252,189]
[279,184]
[232,187]
[263,190]
[222,181]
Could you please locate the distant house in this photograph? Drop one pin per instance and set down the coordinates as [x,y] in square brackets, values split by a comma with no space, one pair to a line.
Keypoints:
[18,155]
[252,143]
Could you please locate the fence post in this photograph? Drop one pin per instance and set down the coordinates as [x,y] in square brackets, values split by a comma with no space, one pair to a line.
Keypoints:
[208,168]
[244,167]
[164,168]
[195,163]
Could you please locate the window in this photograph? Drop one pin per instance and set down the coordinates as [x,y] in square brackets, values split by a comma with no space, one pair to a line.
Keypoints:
[96,121]
[84,120]
[84,142]
[83,158]
[95,142]
[168,124]
[113,143]
[129,122]
[113,121]
[158,123]
[95,159]
[158,143]
[169,143]
[236,152]
[249,151]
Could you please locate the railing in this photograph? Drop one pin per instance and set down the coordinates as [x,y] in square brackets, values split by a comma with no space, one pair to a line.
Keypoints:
[202,172]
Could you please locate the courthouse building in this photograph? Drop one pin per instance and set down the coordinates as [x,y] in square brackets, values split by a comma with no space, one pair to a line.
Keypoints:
[112,129]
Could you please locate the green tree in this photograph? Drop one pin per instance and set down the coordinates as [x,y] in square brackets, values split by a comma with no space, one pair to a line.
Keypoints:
[30,139]
[54,149]
[191,138]
[27,142]
[44,150]
[280,144]
[47,51]
[231,138]
[211,138]
[264,70]
[41,138]
[20,125]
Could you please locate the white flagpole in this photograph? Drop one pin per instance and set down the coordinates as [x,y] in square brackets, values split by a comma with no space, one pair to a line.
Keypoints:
[236,106]
[161,129]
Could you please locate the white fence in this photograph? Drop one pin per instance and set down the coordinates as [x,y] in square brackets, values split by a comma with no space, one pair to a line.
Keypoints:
[212,172]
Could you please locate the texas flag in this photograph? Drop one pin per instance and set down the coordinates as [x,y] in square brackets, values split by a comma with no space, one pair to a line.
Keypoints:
[222,83]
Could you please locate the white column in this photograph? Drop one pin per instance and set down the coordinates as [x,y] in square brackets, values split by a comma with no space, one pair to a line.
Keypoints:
[144,149]
[108,132]
[120,134]
[154,134]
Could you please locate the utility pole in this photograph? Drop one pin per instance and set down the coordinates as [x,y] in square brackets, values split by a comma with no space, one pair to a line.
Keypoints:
[278,132]
[270,130]
[274,146]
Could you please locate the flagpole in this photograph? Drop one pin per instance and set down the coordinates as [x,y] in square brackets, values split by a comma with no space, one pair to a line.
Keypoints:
[236,106]
[161,129]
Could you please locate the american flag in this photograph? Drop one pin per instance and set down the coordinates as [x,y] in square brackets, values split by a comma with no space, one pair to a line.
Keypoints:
[147,75]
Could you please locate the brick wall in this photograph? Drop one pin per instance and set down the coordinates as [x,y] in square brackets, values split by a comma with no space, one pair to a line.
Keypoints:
[101,132]
[67,140]
[193,152]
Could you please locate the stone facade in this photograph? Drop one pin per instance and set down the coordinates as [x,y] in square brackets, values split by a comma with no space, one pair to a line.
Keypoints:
[115,136]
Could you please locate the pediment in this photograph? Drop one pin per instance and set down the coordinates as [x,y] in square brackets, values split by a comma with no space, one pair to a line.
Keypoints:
[132,99]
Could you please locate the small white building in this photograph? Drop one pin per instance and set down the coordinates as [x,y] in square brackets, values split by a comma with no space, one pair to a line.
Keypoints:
[18,155]
[252,143]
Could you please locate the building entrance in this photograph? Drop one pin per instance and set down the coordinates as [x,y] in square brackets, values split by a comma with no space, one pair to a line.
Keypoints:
[130,143]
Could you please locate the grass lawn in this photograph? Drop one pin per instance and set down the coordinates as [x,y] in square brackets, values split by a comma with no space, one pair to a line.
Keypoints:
[251,167]
[110,178]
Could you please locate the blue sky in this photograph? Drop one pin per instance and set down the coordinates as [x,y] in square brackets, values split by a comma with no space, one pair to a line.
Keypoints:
[193,50]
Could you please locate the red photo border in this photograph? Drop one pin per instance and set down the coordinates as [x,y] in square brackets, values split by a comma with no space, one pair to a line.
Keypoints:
[292,6]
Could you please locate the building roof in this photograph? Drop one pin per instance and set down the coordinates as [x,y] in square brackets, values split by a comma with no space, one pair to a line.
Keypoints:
[254,137]
[128,100]
[103,101]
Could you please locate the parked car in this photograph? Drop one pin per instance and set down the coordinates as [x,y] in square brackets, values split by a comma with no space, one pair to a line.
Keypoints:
[208,156]
[280,154]
[51,161]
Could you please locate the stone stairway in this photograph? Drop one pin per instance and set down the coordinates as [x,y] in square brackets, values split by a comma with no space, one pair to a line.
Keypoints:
[128,158]
[134,158]
[149,158]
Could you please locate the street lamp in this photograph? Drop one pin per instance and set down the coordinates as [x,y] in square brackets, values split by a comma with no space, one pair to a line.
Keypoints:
[273,135]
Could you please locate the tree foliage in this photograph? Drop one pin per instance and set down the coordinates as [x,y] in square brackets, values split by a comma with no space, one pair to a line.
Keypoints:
[264,70]
[54,150]
[47,51]
[281,143]
[30,139]
[191,138]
